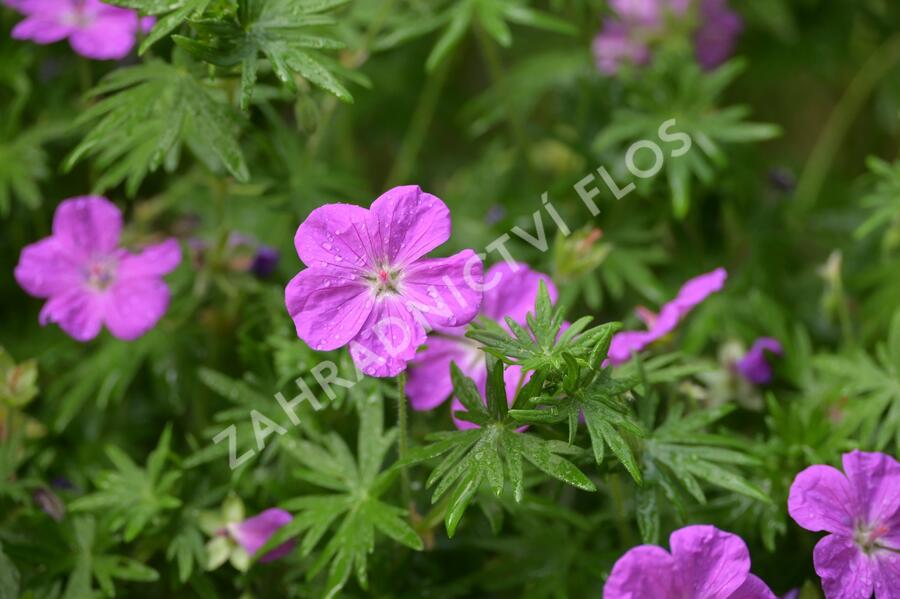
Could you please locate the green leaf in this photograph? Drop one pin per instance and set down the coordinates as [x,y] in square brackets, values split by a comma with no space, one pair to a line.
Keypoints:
[151,110]
[357,506]
[286,32]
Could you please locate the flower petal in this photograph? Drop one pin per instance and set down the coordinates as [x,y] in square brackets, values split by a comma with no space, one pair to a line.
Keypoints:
[41,29]
[753,588]
[388,339]
[47,268]
[875,479]
[109,36]
[410,223]
[88,224]
[711,563]
[627,343]
[692,293]
[644,572]
[821,499]
[153,261]
[134,306]
[337,236]
[78,312]
[253,533]
[328,306]
[887,575]
[845,571]
[513,292]
[617,44]
[429,375]
[718,33]
[445,291]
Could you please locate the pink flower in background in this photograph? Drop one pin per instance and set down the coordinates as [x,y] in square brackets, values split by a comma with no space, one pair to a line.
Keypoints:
[253,533]
[715,39]
[509,293]
[94,29]
[368,285]
[692,293]
[627,36]
[705,563]
[753,366]
[89,281]
[614,45]
[860,507]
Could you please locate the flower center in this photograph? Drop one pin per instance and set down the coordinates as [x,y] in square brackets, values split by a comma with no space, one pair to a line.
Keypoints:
[100,274]
[384,280]
[866,536]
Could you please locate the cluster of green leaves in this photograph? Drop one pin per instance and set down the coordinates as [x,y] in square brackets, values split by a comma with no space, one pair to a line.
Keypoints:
[355,510]
[691,97]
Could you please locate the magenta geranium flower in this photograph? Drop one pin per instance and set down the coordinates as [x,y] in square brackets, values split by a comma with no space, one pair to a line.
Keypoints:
[89,281]
[253,533]
[753,366]
[94,29]
[509,292]
[860,507]
[627,36]
[692,293]
[705,563]
[368,285]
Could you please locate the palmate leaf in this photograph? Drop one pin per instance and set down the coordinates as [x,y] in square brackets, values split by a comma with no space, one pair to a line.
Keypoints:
[872,386]
[588,391]
[355,511]
[492,454]
[678,455]
[546,342]
[133,496]
[23,164]
[458,17]
[149,111]
[286,32]
[689,96]
[84,555]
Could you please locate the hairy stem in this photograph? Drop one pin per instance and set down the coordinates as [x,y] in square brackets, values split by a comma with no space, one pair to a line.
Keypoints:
[403,436]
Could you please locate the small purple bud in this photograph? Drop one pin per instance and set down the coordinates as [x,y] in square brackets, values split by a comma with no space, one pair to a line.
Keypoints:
[264,262]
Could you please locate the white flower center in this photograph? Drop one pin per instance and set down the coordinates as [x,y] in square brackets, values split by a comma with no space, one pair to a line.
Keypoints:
[100,273]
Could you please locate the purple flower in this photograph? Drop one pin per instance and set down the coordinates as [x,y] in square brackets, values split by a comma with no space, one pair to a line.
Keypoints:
[615,45]
[507,292]
[753,366]
[253,533]
[715,39]
[705,563]
[626,37]
[94,29]
[89,281]
[861,509]
[692,293]
[368,285]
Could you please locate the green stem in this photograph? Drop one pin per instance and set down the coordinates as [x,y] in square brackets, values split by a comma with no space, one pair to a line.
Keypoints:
[403,436]
[618,497]
[839,122]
